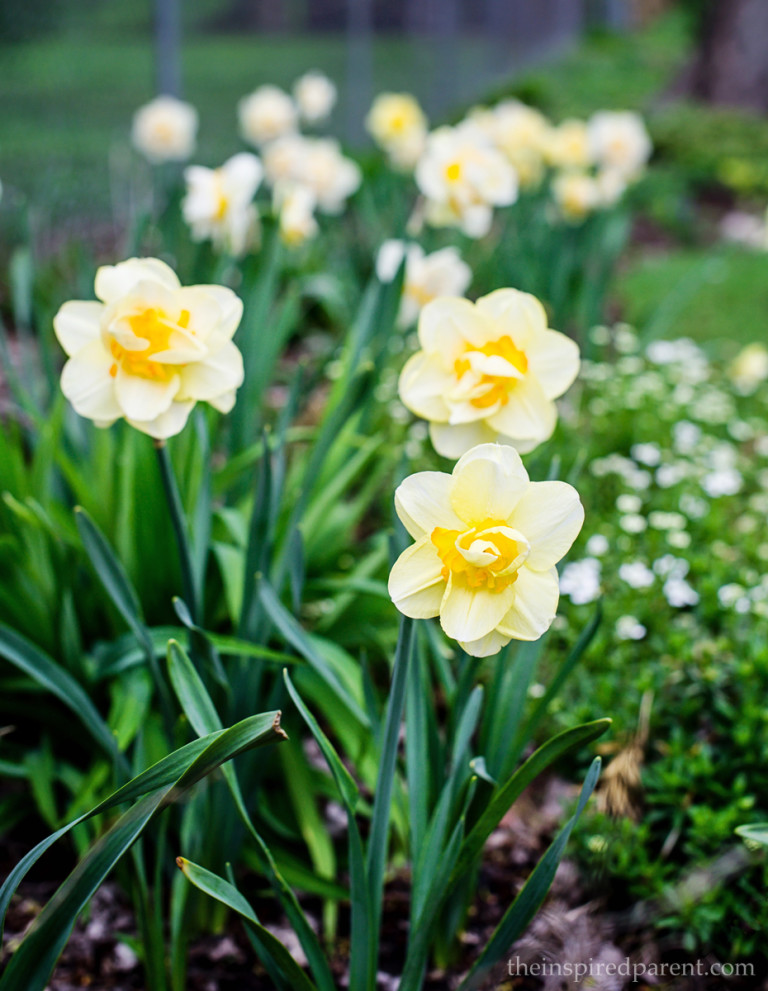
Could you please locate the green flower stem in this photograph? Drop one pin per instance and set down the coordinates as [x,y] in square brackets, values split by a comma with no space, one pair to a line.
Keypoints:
[179,528]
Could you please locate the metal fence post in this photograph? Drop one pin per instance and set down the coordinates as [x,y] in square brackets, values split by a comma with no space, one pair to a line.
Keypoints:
[168,47]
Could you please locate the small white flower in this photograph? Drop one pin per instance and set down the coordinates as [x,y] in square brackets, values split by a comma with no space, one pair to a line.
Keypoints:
[629,628]
[679,593]
[597,545]
[669,475]
[580,581]
[627,503]
[728,595]
[660,520]
[636,574]
[686,436]
[722,482]
[679,539]
[671,566]
[633,523]
[646,454]
[618,140]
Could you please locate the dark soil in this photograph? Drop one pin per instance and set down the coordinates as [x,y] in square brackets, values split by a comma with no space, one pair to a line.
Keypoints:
[99,954]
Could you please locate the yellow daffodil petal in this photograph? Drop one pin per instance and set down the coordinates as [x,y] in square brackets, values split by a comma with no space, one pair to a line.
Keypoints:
[527,412]
[453,441]
[554,360]
[422,502]
[550,514]
[468,613]
[519,314]
[416,584]
[423,384]
[534,605]
[487,483]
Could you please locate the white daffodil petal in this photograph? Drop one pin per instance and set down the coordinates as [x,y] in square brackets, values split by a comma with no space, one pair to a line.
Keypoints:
[114,281]
[422,502]
[416,584]
[527,413]
[550,515]
[519,315]
[453,441]
[487,483]
[470,613]
[534,605]
[142,398]
[486,646]
[553,359]
[447,324]
[220,372]
[77,323]
[422,386]
[87,384]
[167,424]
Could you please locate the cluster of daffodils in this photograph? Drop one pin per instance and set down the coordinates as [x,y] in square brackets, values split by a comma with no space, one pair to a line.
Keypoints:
[487,539]
[684,494]
[305,174]
[465,172]
[149,349]
[426,277]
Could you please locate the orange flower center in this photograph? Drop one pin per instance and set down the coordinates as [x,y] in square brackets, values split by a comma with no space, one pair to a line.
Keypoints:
[497,386]
[483,557]
[155,328]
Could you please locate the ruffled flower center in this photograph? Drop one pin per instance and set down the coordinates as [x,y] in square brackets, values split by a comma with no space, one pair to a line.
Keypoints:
[486,374]
[151,332]
[486,556]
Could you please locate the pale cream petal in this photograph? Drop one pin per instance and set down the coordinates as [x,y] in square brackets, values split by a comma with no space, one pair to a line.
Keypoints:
[553,359]
[218,325]
[534,605]
[550,516]
[487,484]
[225,402]
[416,584]
[114,281]
[527,414]
[167,424]
[453,441]
[143,398]
[486,646]
[471,613]
[448,323]
[87,384]
[422,502]
[422,385]
[518,315]
[77,323]
[216,374]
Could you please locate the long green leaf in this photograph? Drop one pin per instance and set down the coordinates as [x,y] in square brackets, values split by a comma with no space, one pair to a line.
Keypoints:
[226,893]
[533,893]
[33,962]
[506,794]
[47,673]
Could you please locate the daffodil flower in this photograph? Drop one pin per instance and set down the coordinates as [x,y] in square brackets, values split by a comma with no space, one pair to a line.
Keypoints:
[150,349]
[488,371]
[487,540]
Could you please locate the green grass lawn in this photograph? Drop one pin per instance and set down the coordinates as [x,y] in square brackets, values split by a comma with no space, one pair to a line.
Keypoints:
[716,295]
